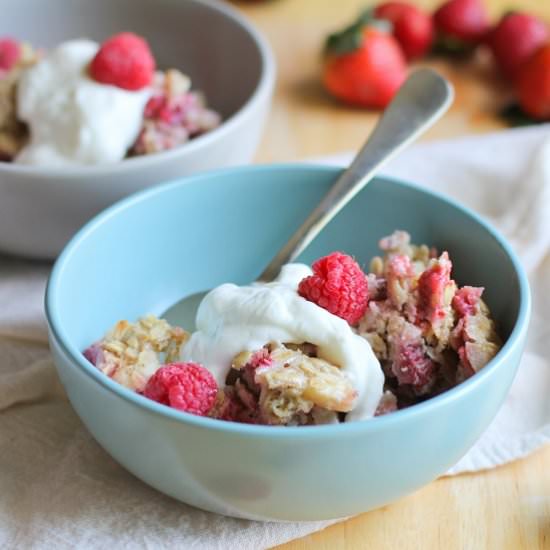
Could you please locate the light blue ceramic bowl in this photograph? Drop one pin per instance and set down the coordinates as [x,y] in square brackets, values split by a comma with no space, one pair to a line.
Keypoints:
[147,251]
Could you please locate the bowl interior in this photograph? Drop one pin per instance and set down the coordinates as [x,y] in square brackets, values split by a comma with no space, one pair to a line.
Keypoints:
[199,38]
[148,251]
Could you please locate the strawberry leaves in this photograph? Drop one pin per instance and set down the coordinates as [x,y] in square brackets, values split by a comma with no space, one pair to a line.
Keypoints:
[351,38]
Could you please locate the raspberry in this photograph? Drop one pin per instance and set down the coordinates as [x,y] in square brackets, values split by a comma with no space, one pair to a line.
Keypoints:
[233,409]
[466,300]
[412,366]
[400,266]
[260,358]
[187,387]
[10,52]
[399,279]
[155,106]
[93,352]
[124,60]
[338,285]
[432,285]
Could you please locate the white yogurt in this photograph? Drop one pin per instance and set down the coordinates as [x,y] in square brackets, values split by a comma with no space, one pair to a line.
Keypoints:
[72,118]
[235,318]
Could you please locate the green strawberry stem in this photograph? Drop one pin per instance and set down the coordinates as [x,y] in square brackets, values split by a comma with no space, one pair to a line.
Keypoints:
[515,117]
[451,46]
[351,38]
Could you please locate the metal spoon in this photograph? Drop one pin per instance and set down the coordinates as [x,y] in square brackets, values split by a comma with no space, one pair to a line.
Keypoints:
[422,99]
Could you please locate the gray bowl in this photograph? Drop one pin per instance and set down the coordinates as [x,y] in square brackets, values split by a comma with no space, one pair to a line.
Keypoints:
[41,208]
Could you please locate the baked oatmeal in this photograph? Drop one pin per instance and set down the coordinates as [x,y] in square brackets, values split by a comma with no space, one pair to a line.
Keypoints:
[316,346]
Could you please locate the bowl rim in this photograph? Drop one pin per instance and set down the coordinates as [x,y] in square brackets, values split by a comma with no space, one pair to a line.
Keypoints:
[265,85]
[76,357]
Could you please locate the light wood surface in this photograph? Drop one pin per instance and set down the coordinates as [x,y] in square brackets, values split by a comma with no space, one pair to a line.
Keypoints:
[504,508]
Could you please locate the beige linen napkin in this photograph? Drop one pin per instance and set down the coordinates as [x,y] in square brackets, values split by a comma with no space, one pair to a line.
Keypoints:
[59,489]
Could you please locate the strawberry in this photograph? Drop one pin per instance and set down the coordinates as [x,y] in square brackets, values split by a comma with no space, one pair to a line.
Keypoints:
[516,37]
[460,24]
[533,84]
[364,64]
[412,28]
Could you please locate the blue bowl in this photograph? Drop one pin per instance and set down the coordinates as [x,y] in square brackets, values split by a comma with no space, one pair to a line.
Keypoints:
[147,251]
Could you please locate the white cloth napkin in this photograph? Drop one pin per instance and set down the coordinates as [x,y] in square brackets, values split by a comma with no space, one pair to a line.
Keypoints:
[59,489]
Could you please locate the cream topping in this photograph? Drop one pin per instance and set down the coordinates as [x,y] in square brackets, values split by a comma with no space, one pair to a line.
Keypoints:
[72,118]
[235,318]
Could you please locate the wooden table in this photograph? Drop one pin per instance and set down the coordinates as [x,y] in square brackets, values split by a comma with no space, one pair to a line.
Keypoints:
[504,508]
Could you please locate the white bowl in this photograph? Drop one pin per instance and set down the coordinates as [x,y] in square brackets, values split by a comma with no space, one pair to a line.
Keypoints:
[40,207]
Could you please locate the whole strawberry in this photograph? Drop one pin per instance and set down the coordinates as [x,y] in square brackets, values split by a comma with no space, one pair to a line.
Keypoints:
[364,64]
[516,37]
[460,24]
[338,285]
[533,84]
[412,28]
[124,60]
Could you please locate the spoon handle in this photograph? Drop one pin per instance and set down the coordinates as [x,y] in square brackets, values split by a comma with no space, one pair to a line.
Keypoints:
[422,99]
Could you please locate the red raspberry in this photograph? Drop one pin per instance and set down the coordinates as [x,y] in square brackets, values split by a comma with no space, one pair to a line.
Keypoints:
[188,387]
[93,353]
[260,358]
[432,285]
[412,366]
[466,300]
[155,106]
[124,60]
[338,285]
[10,52]
[233,409]
[400,267]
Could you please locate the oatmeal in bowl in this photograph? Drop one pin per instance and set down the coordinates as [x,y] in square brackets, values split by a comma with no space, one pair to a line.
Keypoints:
[322,346]
[280,424]
[84,103]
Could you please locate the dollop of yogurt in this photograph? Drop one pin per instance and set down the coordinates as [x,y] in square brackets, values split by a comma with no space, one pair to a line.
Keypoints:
[73,119]
[235,318]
